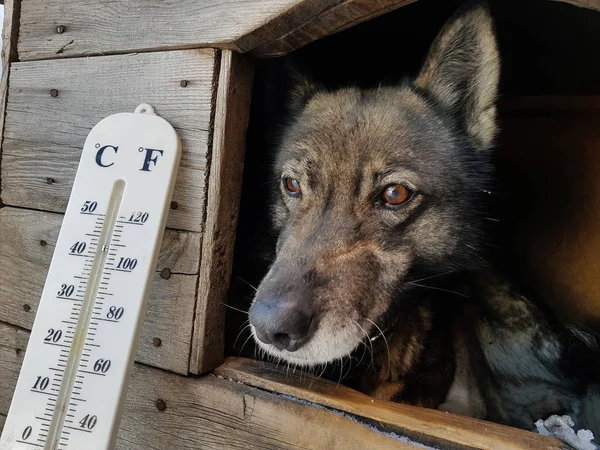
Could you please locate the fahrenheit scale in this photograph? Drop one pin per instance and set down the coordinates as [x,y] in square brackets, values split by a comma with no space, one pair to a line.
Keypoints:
[75,374]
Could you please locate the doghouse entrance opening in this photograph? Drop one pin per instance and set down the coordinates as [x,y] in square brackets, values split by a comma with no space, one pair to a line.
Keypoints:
[548,79]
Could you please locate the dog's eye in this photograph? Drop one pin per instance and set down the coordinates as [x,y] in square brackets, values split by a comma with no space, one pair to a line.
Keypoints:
[396,195]
[292,186]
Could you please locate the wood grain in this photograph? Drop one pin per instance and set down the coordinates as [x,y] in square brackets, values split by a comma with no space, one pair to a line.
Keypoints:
[590,4]
[10,33]
[209,413]
[432,427]
[32,234]
[44,135]
[269,28]
[339,16]
[105,26]
[13,343]
[24,263]
[224,191]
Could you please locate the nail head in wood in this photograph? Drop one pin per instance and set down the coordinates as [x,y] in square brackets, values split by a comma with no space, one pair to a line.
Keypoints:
[43,243]
[50,180]
[183,83]
[160,404]
[60,29]
[156,342]
[165,273]
[174,205]
[53,93]
[26,307]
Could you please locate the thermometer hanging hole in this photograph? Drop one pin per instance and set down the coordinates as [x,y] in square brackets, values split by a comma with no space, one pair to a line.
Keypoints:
[144,108]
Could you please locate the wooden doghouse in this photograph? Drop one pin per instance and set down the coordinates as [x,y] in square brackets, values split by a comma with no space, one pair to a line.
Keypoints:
[67,64]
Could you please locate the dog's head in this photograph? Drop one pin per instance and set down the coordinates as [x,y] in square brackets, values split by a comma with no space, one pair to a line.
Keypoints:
[372,186]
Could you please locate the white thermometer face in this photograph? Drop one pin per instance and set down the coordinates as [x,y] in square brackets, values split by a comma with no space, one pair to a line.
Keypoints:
[76,369]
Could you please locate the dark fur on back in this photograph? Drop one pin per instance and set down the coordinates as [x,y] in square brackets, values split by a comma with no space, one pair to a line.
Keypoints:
[413,281]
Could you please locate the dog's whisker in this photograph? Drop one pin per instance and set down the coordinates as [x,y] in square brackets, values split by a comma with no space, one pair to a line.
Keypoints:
[362,357]
[349,367]
[244,281]
[438,289]
[245,342]
[234,308]
[386,345]
[246,327]
[372,363]
[432,276]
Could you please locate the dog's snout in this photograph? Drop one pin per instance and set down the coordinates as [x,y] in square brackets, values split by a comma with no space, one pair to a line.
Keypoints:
[281,323]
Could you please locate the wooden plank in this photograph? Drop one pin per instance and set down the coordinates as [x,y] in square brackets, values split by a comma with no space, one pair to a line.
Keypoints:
[32,235]
[430,426]
[590,4]
[53,129]
[224,191]
[65,28]
[339,16]
[10,33]
[13,343]
[105,26]
[179,252]
[24,263]
[210,413]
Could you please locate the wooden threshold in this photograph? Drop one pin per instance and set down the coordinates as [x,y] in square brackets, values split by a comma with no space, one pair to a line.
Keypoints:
[427,426]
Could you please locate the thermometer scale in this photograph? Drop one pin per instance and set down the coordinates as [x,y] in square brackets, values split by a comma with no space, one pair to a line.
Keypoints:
[75,373]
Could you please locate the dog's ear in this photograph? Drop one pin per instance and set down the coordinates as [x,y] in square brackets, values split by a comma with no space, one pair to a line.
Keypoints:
[301,88]
[462,71]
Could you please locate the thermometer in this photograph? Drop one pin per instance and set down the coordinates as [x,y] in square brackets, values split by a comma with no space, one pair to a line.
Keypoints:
[75,373]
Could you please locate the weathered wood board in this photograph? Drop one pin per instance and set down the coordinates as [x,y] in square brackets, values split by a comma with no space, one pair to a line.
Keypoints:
[338,17]
[223,197]
[591,4]
[432,427]
[106,26]
[10,29]
[44,134]
[209,412]
[59,28]
[27,240]
[66,28]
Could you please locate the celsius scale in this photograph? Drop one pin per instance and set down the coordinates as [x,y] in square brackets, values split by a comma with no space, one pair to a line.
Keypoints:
[76,369]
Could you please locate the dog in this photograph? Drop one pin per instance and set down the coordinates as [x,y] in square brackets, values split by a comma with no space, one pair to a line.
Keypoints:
[380,202]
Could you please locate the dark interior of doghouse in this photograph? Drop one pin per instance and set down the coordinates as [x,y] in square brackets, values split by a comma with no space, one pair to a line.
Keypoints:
[548,48]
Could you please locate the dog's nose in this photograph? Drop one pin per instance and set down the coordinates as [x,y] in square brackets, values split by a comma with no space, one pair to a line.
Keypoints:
[284,324]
